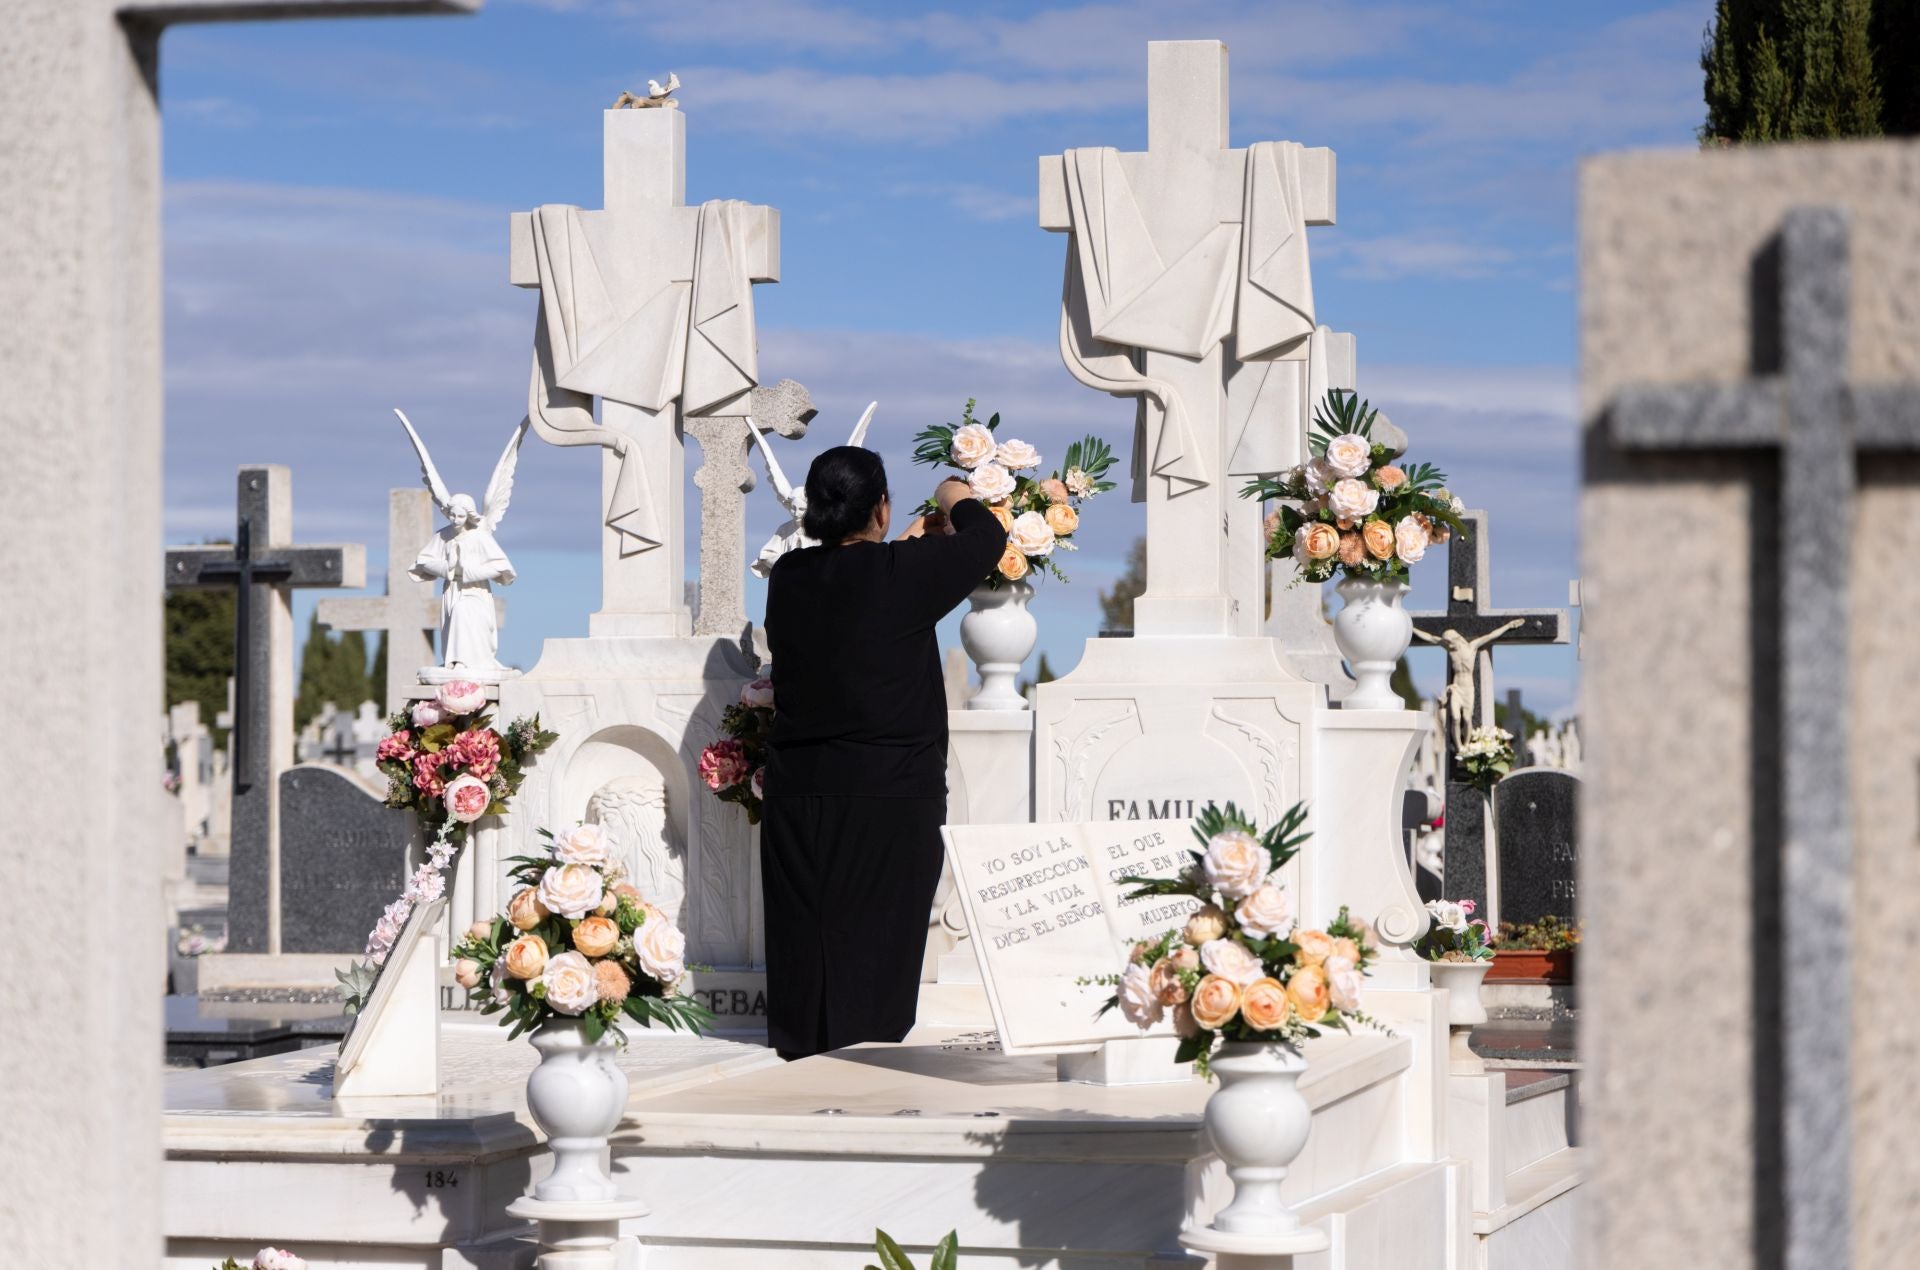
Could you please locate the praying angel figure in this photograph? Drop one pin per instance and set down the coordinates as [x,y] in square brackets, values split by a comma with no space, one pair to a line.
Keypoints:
[466,557]
[790,536]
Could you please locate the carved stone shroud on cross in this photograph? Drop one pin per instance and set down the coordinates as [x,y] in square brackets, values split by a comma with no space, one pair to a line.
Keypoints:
[1815,421]
[724,479]
[1205,552]
[644,174]
[264,567]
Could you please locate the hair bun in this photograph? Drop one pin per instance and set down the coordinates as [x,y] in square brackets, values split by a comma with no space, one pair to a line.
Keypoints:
[844,487]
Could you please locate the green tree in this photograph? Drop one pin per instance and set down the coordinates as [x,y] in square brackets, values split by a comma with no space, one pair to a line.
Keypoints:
[1793,70]
[377,677]
[1116,605]
[1895,36]
[332,668]
[1402,683]
[199,650]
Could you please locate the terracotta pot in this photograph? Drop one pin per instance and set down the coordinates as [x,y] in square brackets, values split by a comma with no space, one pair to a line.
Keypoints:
[1532,965]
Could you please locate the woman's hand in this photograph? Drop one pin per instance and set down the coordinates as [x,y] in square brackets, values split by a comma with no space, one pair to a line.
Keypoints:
[951,491]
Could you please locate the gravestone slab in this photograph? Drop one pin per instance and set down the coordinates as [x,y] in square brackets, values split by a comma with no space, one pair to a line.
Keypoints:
[1044,905]
[1536,813]
[343,859]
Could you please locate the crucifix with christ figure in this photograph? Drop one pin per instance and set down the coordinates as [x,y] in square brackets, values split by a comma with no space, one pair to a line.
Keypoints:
[648,306]
[1188,287]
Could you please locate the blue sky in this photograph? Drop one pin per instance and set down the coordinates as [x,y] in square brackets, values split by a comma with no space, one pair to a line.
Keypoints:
[337,198]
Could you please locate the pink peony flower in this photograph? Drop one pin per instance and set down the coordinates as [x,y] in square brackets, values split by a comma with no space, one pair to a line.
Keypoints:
[724,764]
[757,693]
[397,747]
[468,799]
[427,777]
[477,750]
[462,696]
[426,713]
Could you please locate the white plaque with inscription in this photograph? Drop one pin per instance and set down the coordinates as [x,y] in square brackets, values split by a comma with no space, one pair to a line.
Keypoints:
[1045,909]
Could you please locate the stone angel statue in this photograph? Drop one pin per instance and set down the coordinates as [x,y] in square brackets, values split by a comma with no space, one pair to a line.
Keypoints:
[465,556]
[790,536]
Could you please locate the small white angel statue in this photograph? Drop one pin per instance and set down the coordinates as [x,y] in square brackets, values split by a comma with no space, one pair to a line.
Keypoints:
[465,556]
[790,536]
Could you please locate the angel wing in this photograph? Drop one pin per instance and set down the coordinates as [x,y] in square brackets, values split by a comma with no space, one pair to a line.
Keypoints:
[859,436]
[493,508]
[782,487]
[428,474]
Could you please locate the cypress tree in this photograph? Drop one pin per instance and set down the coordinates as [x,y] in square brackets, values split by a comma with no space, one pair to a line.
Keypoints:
[1792,70]
[199,650]
[377,677]
[1116,606]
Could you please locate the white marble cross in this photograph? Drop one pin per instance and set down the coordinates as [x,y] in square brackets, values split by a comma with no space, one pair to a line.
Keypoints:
[724,479]
[643,262]
[1187,262]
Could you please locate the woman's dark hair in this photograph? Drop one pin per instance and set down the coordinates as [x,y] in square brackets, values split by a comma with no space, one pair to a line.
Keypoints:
[844,485]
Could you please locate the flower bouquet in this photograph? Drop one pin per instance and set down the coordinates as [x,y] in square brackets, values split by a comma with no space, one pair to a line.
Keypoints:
[578,942]
[1040,514]
[1487,757]
[1240,969]
[735,767]
[1454,934]
[1351,508]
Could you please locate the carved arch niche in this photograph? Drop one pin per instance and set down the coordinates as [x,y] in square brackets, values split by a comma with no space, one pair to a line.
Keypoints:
[631,781]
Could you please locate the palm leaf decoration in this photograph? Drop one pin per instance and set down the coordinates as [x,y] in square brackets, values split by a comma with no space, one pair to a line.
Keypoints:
[1340,412]
[946,1253]
[1094,457]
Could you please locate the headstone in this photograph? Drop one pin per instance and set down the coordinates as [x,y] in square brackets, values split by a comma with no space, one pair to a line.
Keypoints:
[1753,773]
[343,859]
[265,567]
[1045,910]
[1537,812]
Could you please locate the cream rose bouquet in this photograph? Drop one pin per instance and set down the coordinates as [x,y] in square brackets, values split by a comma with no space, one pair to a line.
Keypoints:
[577,941]
[735,766]
[1487,757]
[1454,933]
[1241,969]
[1352,508]
[1040,514]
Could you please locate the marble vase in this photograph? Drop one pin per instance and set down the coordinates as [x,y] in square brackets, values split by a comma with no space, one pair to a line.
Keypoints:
[577,1095]
[998,634]
[1258,1123]
[1462,980]
[1372,631]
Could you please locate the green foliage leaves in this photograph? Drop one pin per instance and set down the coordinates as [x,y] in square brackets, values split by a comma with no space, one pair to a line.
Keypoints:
[1341,411]
[1793,70]
[946,1253]
[199,650]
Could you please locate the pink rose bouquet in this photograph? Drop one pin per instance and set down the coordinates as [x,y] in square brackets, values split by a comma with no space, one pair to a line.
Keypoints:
[1240,969]
[592,948]
[734,766]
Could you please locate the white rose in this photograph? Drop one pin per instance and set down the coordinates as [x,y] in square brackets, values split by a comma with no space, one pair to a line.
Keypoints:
[1458,508]
[1031,535]
[1266,913]
[571,890]
[990,482]
[1352,500]
[1235,863]
[757,693]
[462,696]
[582,844]
[1139,1003]
[569,983]
[1349,454]
[1319,476]
[972,446]
[1411,539]
[662,950]
[277,1259]
[1447,915]
[1231,961]
[1015,455]
[1343,988]
[1078,483]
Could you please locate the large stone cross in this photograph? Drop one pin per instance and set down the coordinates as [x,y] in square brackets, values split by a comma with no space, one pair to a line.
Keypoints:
[651,239]
[264,566]
[1816,421]
[1470,615]
[724,479]
[1205,552]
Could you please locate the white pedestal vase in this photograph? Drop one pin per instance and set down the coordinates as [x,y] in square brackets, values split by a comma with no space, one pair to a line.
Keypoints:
[1372,631]
[577,1095]
[998,634]
[1258,1124]
[1462,980]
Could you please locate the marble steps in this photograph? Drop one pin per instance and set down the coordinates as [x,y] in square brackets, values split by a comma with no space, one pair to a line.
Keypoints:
[1519,1131]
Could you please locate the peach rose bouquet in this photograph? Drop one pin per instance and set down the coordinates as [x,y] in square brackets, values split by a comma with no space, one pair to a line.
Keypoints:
[577,941]
[1353,507]
[1242,968]
[1040,513]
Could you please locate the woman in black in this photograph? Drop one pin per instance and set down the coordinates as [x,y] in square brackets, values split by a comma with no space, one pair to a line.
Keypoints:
[856,783]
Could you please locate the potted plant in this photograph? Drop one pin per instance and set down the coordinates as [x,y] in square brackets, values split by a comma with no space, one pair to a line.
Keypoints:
[1459,955]
[1536,952]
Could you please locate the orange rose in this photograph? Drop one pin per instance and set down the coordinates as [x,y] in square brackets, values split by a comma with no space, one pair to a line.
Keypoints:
[596,936]
[1321,541]
[526,957]
[1389,477]
[1013,565]
[1215,1002]
[1346,948]
[1166,984]
[1307,990]
[1314,947]
[1378,535]
[1264,1004]
[525,911]
[1003,514]
[1062,519]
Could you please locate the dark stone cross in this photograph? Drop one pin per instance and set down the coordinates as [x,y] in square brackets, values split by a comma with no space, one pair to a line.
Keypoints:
[1471,616]
[1815,421]
[265,567]
[340,750]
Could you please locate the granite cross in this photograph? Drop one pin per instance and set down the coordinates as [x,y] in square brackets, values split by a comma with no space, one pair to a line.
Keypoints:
[1471,616]
[265,567]
[724,479]
[1815,420]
